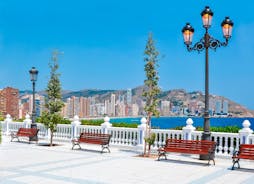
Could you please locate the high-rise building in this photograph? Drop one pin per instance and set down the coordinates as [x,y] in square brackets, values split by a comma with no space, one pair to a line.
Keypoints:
[135,109]
[113,104]
[9,102]
[165,105]
[84,104]
[92,106]
[218,107]
[129,97]
[26,105]
[107,107]
[225,107]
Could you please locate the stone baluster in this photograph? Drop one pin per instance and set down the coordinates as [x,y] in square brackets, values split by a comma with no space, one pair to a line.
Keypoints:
[220,144]
[226,148]
[142,131]
[231,148]
[188,129]
[27,121]
[106,125]
[74,125]
[245,132]
[7,121]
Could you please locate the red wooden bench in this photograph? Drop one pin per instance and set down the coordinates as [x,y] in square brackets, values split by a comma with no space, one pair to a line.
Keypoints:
[25,132]
[203,147]
[246,151]
[93,138]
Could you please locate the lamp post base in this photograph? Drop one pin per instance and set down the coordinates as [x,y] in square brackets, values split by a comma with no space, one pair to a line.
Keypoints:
[33,125]
[34,138]
[205,136]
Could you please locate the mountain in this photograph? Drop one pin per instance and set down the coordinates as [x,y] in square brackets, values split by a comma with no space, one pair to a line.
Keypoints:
[177,97]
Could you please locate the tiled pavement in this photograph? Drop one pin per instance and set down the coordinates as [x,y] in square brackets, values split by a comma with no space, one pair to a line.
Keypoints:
[29,163]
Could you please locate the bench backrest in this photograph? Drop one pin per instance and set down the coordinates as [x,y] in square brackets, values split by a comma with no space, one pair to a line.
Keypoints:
[202,145]
[246,151]
[27,132]
[95,138]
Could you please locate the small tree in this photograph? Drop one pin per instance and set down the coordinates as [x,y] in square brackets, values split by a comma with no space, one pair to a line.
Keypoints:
[152,89]
[0,134]
[54,103]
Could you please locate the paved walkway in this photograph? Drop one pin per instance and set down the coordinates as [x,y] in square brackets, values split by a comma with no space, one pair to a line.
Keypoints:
[22,163]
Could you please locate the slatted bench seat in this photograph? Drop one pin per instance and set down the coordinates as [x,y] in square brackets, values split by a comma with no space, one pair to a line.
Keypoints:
[93,138]
[203,147]
[246,151]
[30,133]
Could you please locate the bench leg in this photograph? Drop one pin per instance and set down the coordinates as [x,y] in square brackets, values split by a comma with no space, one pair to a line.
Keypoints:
[162,154]
[13,137]
[105,147]
[211,157]
[234,162]
[212,160]
[74,144]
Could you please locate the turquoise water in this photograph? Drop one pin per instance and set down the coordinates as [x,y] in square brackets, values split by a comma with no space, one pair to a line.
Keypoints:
[171,122]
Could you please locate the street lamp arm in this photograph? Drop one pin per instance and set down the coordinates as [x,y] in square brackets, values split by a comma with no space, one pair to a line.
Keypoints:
[212,44]
[199,46]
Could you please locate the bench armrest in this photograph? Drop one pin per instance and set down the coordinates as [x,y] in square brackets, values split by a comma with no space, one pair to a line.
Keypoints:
[161,149]
[75,140]
[235,154]
[14,133]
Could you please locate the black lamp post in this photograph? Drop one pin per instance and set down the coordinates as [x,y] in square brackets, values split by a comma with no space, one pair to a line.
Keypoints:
[207,42]
[33,76]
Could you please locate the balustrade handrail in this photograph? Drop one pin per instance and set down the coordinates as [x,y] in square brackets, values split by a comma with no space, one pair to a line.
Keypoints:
[227,142]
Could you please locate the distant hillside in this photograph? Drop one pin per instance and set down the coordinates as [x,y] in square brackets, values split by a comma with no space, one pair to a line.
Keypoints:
[178,97]
[87,93]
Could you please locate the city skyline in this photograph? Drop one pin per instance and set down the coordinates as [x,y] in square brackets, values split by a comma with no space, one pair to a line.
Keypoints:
[103,45]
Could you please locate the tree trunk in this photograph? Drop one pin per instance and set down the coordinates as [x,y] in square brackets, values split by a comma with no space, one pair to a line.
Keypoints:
[51,138]
[149,150]
[149,131]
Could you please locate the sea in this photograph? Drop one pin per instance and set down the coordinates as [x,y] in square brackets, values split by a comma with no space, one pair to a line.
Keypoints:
[172,122]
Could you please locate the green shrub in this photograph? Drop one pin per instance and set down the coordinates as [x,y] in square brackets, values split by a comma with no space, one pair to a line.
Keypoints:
[63,121]
[126,125]
[93,122]
[229,129]
[100,121]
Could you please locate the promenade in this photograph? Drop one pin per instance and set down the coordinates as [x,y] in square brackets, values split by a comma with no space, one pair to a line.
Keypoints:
[22,163]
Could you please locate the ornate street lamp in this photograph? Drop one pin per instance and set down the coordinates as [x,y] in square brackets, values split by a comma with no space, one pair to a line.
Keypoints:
[33,77]
[207,42]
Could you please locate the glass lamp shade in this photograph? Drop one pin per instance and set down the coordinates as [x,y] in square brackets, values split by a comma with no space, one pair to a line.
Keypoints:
[33,74]
[227,26]
[207,16]
[188,32]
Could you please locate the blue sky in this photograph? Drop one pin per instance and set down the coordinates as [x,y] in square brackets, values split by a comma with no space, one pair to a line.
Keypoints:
[103,44]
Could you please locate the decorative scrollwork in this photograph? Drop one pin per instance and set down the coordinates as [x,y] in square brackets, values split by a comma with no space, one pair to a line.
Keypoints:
[209,43]
[214,43]
[199,46]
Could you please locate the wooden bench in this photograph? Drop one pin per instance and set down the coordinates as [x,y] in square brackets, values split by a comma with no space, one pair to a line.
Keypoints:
[93,138]
[25,132]
[246,151]
[203,147]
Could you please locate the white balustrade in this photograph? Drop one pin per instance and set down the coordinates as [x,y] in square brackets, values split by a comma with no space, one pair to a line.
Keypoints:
[92,129]
[226,142]
[63,132]
[14,126]
[196,135]
[163,135]
[42,130]
[123,136]
[251,139]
